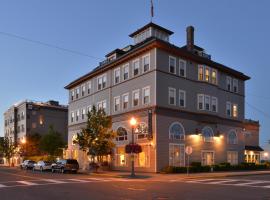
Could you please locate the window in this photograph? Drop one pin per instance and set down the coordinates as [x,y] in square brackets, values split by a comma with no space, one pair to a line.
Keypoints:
[176,131]
[34,125]
[22,128]
[142,130]
[228,109]
[214,76]
[229,83]
[72,117]
[182,98]
[207,102]
[232,157]
[200,102]
[146,63]
[120,157]
[77,93]
[172,96]
[182,68]
[214,104]
[172,65]
[208,134]
[41,119]
[235,110]
[89,87]
[208,158]
[102,82]
[116,104]
[72,95]
[146,95]
[200,73]
[136,96]
[126,72]
[125,101]
[121,134]
[116,75]
[136,65]
[232,137]
[77,115]
[207,74]
[176,155]
[83,113]
[89,108]
[101,105]
[235,85]
[83,90]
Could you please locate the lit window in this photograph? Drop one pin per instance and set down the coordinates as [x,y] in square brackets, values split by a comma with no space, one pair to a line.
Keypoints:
[136,65]
[182,98]
[172,96]
[121,134]
[208,134]
[207,74]
[228,109]
[116,75]
[176,155]
[116,104]
[232,137]
[146,63]
[235,85]
[200,73]
[235,110]
[136,96]
[207,102]
[126,72]
[125,101]
[229,83]
[214,104]
[214,76]
[41,120]
[232,157]
[172,65]
[176,131]
[146,95]
[200,102]
[182,68]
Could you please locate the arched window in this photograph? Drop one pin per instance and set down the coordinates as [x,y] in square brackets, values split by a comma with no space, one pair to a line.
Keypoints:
[74,138]
[121,134]
[232,137]
[177,131]
[208,134]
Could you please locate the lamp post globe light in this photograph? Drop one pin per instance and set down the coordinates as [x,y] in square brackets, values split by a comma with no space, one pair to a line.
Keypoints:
[133,123]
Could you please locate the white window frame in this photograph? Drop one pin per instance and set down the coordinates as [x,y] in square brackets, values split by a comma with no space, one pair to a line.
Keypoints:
[237,111]
[228,82]
[198,102]
[77,93]
[206,68]
[214,99]
[174,61]
[235,161]
[228,105]
[181,146]
[103,79]
[89,108]
[174,96]
[183,92]
[83,90]
[235,85]
[185,67]
[143,95]
[133,67]
[72,96]
[207,151]
[114,103]
[83,113]
[143,63]
[205,102]
[123,101]
[200,67]
[114,75]
[89,84]
[216,82]
[228,137]
[133,97]
[125,66]
[77,115]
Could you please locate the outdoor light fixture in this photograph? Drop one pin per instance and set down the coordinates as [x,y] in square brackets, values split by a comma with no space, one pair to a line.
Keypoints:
[23,141]
[133,121]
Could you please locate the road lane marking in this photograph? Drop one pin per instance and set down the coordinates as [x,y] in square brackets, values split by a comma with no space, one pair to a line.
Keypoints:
[27,183]
[222,181]
[2,186]
[79,180]
[136,189]
[54,181]
[251,183]
[201,180]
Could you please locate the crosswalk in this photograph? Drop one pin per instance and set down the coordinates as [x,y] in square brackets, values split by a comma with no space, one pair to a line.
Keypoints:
[208,181]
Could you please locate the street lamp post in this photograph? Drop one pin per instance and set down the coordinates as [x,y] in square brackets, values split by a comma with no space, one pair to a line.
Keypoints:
[133,123]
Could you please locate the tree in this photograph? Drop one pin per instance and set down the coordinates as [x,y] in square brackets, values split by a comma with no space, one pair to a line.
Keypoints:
[7,148]
[97,138]
[52,143]
[32,145]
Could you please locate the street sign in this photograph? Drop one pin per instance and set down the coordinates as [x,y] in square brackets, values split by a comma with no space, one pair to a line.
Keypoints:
[188,150]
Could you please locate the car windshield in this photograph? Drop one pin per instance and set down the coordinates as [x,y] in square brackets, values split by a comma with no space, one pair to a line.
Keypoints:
[72,162]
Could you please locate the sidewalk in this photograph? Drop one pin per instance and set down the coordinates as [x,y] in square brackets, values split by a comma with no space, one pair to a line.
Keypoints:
[157,176]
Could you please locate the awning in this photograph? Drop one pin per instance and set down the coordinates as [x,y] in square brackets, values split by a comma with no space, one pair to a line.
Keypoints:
[253,148]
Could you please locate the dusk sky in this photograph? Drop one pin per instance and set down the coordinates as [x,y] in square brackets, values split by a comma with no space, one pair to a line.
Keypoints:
[235,33]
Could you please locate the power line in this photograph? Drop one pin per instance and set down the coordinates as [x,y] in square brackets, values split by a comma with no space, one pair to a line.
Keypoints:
[48,45]
[258,96]
[258,110]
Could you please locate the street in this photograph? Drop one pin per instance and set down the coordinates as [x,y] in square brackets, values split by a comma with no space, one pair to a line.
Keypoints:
[28,185]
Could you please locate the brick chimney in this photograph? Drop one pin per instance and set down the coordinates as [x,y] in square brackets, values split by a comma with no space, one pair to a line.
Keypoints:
[190,38]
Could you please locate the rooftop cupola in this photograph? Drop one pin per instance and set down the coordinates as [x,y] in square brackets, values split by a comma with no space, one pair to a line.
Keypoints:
[151,30]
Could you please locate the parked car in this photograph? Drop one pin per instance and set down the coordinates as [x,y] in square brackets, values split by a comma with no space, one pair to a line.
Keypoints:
[42,165]
[64,165]
[27,164]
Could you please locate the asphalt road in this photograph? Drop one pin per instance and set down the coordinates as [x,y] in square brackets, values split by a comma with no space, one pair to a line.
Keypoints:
[27,185]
